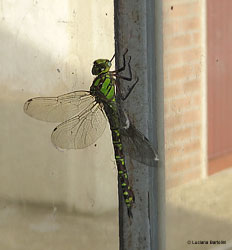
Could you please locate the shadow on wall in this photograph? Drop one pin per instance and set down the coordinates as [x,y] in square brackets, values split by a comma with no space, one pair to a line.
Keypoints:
[183,225]
[31,168]
[25,67]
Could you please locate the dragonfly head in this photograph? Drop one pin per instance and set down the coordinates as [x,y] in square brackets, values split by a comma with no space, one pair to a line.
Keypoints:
[101,66]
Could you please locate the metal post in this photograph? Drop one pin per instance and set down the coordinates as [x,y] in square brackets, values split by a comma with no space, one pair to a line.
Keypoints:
[136,28]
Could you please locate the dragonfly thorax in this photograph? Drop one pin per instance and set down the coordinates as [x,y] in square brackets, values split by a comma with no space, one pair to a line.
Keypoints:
[101,66]
[103,87]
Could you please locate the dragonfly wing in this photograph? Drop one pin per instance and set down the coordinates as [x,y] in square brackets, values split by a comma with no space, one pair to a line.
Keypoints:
[137,146]
[58,109]
[81,130]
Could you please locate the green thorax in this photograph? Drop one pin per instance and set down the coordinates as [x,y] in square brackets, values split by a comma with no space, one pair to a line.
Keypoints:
[103,88]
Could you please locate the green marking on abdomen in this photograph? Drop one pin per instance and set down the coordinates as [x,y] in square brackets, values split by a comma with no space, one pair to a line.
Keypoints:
[120,159]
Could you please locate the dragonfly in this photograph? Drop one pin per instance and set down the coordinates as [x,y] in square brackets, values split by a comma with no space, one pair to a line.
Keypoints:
[83,115]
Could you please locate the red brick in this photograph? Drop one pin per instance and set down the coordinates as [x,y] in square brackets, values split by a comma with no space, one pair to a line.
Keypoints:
[173,122]
[183,100]
[173,152]
[193,146]
[179,135]
[178,41]
[184,56]
[184,72]
[191,116]
[181,103]
[197,130]
[173,90]
[193,85]
[182,26]
[184,9]
[197,38]
[186,163]
[185,178]
[197,100]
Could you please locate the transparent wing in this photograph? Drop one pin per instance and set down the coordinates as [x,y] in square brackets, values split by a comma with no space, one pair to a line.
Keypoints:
[58,109]
[81,130]
[137,146]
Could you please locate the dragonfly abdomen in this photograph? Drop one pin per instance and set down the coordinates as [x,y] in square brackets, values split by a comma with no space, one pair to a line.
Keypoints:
[112,113]
[122,171]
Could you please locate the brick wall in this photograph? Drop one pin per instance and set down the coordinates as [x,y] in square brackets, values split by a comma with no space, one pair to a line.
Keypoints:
[183,90]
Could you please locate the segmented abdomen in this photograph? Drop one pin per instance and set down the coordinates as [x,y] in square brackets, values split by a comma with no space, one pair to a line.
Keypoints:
[113,117]
[122,171]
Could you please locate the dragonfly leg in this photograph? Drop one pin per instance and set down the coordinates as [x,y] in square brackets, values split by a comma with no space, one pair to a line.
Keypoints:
[124,64]
[129,90]
[127,78]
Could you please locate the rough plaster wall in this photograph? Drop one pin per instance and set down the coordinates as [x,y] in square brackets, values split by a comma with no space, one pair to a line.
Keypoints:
[47,48]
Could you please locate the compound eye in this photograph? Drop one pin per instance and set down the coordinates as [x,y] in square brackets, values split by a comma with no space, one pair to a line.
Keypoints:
[102,66]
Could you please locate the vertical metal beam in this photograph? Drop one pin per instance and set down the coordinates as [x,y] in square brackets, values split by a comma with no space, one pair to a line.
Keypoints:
[136,28]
